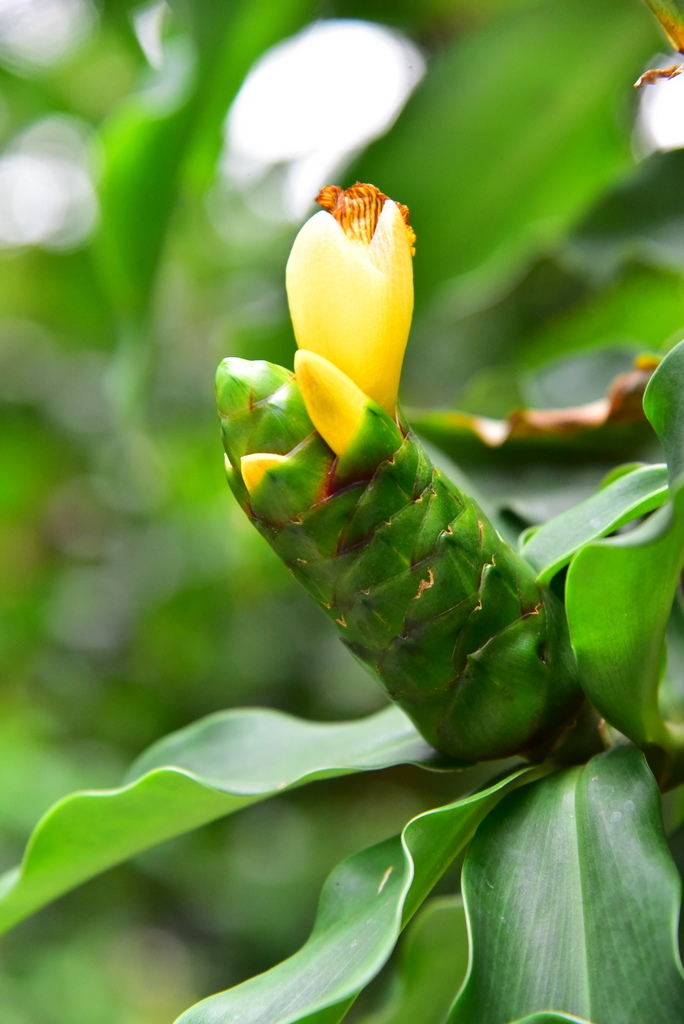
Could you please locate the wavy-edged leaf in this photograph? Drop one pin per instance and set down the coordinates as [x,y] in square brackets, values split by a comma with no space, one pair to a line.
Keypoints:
[364,904]
[212,768]
[609,426]
[619,591]
[433,960]
[573,901]
[552,546]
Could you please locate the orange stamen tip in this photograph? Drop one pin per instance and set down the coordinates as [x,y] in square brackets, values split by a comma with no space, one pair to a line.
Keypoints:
[357,210]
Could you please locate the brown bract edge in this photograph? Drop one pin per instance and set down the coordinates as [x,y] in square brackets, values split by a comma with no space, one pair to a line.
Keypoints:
[357,210]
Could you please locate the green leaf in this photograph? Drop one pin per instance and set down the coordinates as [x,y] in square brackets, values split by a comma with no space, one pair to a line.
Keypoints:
[559,425]
[143,144]
[460,436]
[421,18]
[432,965]
[212,768]
[573,900]
[640,308]
[671,694]
[499,151]
[552,546]
[637,220]
[670,14]
[664,406]
[619,591]
[177,119]
[551,1018]
[363,906]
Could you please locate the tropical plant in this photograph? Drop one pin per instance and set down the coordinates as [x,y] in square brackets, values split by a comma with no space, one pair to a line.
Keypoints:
[509,572]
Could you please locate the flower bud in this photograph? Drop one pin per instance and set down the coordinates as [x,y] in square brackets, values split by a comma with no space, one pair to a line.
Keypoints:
[350,287]
[425,593]
[280,487]
[260,408]
[422,589]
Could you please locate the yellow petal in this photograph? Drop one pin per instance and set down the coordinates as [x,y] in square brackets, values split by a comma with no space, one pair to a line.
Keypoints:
[351,301]
[254,466]
[335,403]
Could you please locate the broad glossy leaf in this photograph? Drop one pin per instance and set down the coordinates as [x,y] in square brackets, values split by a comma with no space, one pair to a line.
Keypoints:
[363,906]
[573,901]
[219,765]
[511,136]
[433,960]
[552,546]
[619,591]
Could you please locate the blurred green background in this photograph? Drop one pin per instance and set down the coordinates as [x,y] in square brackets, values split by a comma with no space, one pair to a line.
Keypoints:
[145,221]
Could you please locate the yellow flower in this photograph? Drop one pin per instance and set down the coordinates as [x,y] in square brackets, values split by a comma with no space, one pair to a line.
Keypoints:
[356,427]
[350,287]
[334,402]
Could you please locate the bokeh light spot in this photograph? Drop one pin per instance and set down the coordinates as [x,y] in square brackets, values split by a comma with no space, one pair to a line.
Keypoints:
[148,23]
[36,33]
[47,196]
[660,118]
[314,99]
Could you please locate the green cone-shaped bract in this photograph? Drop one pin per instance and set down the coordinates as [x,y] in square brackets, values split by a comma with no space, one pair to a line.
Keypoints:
[421,587]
